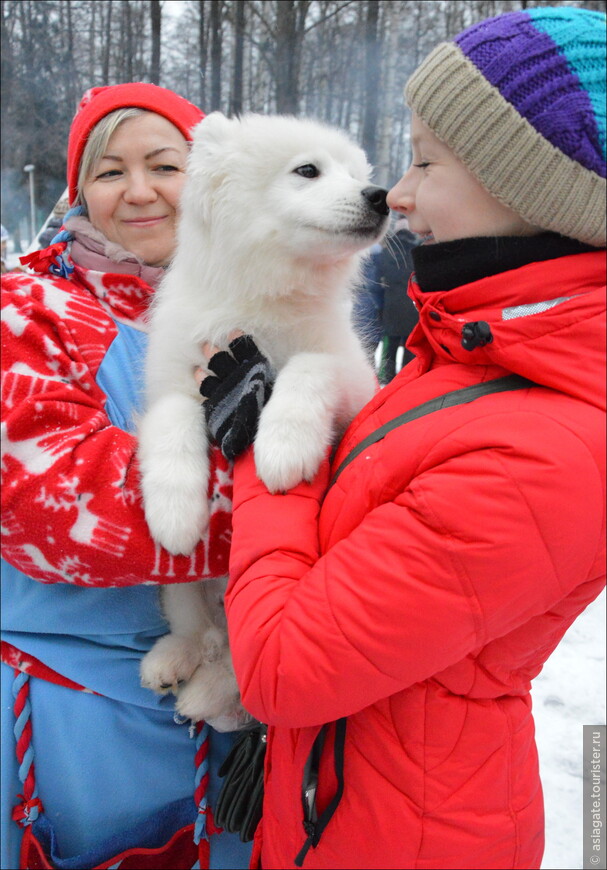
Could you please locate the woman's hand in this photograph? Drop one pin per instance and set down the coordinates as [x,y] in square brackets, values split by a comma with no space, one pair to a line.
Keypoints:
[235,393]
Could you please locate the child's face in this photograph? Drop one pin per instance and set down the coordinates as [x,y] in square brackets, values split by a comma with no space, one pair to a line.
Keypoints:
[443,200]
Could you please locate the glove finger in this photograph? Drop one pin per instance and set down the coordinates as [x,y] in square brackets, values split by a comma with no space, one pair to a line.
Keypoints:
[209,386]
[222,364]
[243,348]
[236,442]
[242,429]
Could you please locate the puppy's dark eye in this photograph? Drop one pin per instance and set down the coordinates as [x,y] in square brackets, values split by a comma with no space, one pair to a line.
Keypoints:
[308,170]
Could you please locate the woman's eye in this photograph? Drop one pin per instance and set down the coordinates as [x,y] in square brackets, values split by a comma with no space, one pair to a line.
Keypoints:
[166,167]
[308,170]
[110,173]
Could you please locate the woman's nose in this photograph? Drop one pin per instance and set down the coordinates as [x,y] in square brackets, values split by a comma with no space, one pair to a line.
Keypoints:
[140,188]
[402,196]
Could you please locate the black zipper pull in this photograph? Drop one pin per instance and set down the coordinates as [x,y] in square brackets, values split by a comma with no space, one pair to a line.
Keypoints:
[301,856]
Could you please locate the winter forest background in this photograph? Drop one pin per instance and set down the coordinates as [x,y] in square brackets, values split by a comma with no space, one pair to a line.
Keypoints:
[342,61]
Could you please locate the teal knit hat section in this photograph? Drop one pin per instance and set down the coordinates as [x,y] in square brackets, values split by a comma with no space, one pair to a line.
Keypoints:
[584,47]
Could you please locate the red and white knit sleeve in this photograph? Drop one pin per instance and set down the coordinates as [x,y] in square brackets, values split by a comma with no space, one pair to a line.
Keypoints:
[71,507]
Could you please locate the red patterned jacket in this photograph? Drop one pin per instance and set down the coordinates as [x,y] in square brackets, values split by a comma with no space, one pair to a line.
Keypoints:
[72,351]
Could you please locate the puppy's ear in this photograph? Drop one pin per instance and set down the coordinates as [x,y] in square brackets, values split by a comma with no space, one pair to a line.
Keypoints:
[206,163]
[212,133]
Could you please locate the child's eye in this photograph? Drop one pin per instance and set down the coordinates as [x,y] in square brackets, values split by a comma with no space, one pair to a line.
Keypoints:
[421,165]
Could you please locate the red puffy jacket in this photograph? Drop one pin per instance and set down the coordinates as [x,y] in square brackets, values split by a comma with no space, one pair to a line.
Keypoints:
[424,593]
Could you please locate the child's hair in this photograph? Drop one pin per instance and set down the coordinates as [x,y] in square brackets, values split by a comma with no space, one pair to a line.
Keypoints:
[520,99]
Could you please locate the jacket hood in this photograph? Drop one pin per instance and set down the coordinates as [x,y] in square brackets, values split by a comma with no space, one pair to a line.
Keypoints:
[544,321]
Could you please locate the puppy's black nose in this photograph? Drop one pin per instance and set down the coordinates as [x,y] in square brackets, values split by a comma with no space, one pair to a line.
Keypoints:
[376,197]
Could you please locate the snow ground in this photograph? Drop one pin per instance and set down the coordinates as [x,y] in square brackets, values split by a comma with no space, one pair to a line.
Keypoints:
[569,693]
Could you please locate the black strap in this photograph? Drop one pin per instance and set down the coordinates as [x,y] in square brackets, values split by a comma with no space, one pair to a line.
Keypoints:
[314,827]
[448,400]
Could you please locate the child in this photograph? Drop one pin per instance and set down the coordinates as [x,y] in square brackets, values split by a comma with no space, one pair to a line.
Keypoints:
[387,618]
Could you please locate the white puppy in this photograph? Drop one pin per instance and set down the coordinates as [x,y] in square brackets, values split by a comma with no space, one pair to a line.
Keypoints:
[276,214]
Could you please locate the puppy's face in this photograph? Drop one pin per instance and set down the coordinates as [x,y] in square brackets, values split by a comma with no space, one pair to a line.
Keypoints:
[284,183]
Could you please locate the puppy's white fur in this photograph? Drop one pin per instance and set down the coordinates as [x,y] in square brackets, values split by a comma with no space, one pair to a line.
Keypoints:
[267,250]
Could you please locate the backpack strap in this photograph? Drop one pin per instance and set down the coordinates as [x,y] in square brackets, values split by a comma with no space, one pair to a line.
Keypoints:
[447,400]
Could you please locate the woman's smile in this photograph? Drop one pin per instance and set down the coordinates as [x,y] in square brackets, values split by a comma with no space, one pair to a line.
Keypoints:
[145,222]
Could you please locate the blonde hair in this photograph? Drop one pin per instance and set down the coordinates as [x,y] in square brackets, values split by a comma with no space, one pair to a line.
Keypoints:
[97,144]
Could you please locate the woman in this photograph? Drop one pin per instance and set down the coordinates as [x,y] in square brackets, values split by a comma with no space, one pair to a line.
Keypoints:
[112,773]
[387,619]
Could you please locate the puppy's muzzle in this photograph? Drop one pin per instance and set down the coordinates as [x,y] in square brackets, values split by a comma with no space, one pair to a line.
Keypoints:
[376,197]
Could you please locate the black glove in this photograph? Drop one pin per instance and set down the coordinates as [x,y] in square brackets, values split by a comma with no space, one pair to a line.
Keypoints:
[240,800]
[236,395]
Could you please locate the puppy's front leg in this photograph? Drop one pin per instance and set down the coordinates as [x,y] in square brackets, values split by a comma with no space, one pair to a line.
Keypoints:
[296,426]
[175,471]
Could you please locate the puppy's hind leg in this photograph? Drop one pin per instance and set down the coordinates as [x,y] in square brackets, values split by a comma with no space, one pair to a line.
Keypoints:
[194,638]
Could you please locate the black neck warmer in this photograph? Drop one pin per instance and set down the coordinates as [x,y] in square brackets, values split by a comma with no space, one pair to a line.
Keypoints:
[445,265]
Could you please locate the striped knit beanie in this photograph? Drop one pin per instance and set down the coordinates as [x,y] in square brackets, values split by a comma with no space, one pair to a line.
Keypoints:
[520,99]
[96,103]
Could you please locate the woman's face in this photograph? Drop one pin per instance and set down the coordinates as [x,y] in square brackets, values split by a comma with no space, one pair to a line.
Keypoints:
[133,194]
[443,201]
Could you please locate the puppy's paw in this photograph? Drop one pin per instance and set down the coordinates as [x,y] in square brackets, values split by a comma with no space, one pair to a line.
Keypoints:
[287,452]
[177,518]
[171,661]
[212,694]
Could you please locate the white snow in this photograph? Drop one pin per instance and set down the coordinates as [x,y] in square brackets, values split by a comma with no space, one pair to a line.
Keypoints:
[569,693]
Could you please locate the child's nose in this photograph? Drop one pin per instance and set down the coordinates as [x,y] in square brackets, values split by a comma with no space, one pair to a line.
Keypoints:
[402,196]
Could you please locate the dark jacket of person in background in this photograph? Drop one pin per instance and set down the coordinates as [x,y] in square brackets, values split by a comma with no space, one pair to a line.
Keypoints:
[398,313]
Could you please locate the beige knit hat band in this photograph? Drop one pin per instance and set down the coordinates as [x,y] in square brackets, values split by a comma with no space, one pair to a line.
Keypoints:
[503,150]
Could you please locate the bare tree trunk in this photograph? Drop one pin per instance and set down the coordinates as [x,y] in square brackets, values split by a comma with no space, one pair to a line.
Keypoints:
[290,28]
[372,80]
[285,28]
[91,49]
[69,60]
[106,46]
[237,79]
[127,29]
[156,14]
[202,55]
[215,54]
[387,116]
[7,65]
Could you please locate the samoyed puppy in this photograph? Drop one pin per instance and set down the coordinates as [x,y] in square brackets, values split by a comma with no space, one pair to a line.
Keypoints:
[276,214]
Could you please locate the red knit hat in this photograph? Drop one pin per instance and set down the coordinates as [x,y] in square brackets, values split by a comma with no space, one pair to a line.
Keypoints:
[99,102]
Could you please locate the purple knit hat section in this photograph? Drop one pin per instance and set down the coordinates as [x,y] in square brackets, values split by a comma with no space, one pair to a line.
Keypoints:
[530,72]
